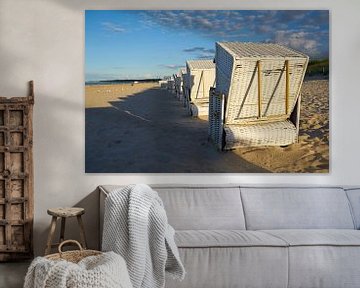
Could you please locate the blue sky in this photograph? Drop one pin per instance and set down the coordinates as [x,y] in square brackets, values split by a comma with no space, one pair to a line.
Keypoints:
[144,44]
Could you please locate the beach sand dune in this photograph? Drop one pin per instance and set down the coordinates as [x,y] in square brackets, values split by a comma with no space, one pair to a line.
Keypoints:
[142,128]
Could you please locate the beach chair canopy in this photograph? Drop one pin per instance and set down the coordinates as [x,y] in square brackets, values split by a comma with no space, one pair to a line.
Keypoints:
[260,81]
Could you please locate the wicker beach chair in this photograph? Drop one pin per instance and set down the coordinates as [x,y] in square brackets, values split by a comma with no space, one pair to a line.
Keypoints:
[171,85]
[179,84]
[184,78]
[163,84]
[257,97]
[200,77]
[177,80]
[186,88]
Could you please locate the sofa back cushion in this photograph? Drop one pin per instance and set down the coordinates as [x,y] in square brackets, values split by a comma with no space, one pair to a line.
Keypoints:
[354,198]
[203,208]
[296,208]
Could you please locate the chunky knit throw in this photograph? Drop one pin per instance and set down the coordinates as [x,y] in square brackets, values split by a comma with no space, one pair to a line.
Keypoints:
[102,271]
[136,227]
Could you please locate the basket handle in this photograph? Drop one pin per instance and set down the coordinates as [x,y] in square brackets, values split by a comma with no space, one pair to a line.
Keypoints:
[69,241]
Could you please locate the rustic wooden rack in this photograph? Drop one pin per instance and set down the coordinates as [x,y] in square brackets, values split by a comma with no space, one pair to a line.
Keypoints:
[16,177]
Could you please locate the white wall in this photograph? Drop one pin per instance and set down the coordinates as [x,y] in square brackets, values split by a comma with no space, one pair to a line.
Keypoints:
[43,40]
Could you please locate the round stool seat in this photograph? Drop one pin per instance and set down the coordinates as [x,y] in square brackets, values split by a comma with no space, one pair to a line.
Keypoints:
[66,211]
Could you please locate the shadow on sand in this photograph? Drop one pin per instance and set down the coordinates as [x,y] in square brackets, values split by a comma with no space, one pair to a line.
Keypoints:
[150,131]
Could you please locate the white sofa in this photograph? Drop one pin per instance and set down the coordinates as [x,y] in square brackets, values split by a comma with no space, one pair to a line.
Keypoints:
[280,237]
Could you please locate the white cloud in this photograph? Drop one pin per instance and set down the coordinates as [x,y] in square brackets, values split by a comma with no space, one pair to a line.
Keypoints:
[304,30]
[112,27]
[172,66]
[298,40]
[200,49]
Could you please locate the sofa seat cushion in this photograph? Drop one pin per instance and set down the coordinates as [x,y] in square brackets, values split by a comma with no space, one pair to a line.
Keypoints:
[317,237]
[226,238]
[233,267]
[324,258]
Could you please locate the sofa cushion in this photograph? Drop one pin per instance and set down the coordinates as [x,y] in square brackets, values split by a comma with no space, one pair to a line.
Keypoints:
[324,266]
[322,258]
[354,198]
[220,267]
[226,238]
[296,208]
[199,207]
[192,208]
[315,237]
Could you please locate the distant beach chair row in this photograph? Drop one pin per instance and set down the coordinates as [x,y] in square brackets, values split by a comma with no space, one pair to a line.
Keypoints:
[178,79]
[251,94]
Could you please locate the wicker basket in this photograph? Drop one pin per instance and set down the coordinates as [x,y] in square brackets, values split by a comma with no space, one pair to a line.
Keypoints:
[72,256]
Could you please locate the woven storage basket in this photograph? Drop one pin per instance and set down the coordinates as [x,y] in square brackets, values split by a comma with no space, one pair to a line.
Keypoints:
[74,256]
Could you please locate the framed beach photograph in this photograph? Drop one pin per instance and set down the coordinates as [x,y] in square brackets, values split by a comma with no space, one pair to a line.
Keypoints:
[207,91]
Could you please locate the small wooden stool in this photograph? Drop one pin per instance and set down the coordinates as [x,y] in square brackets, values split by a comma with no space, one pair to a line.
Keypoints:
[64,213]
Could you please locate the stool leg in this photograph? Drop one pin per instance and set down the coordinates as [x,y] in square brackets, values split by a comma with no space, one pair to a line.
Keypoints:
[82,232]
[62,231]
[51,235]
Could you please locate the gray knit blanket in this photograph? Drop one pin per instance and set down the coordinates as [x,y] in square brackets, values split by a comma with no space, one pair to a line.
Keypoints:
[102,271]
[136,227]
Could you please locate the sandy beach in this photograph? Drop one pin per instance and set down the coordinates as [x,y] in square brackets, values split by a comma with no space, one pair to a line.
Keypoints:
[143,128]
